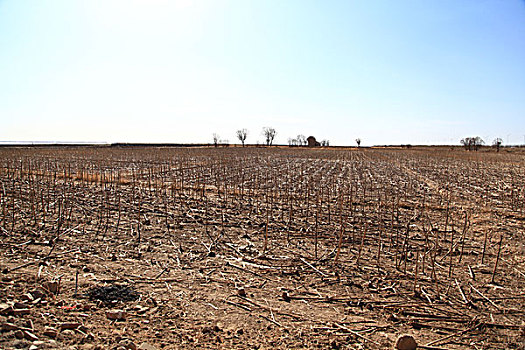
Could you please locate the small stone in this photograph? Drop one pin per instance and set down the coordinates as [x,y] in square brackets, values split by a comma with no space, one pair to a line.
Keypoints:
[393,318]
[241,292]
[128,344]
[52,286]
[9,327]
[50,332]
[87,347]
[19,312]
[286,297]
[19,334]
[20,344]
[68,333]
[30,336]
[28,297]
[18,305]
[146,346]
[37,294]
[406,342]
[141,309]
[116,314]
[6,309]
[69,325]
[33,347]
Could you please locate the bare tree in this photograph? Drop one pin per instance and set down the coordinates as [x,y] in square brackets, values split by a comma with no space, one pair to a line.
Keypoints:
[472,143]
[478,142]
[466,143]
[301,140]
[497,143]
[241,135]
[269,135]
[358,141]
[216,139]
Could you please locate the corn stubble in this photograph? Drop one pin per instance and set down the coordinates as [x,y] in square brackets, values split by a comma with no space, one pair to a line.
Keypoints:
[424,239]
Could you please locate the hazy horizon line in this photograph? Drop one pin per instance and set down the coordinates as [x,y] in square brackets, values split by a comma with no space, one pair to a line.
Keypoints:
[182,144]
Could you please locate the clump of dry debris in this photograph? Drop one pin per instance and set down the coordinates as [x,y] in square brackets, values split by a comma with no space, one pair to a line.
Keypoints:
[111,294]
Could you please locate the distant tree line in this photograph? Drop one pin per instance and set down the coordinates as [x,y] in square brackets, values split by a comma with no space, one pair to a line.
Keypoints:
[300,140]
[310,141]
[474,143]
[469,143]
[242,134]
[269,136]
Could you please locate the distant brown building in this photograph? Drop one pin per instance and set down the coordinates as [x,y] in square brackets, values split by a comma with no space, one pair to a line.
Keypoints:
[312,142]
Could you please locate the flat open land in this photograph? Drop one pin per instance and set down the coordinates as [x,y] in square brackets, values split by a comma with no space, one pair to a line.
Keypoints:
[261,248]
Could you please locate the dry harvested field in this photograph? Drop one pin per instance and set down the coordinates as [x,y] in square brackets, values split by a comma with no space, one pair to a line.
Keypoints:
[258,248]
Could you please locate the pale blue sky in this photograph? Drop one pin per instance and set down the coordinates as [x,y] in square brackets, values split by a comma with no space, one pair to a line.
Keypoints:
[389,72]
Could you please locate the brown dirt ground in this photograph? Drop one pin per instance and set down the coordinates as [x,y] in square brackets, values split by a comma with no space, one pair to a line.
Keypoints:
[205,278]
